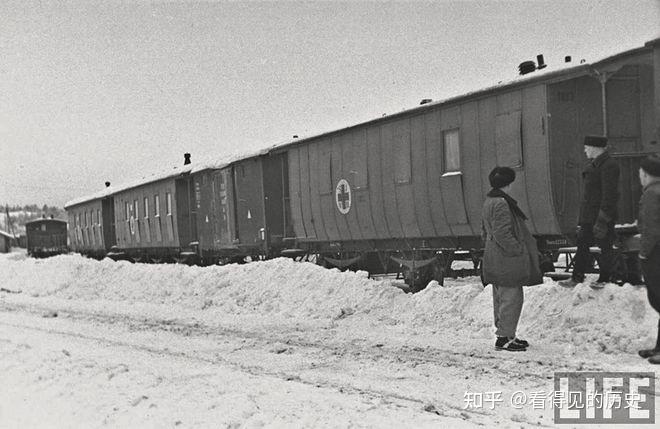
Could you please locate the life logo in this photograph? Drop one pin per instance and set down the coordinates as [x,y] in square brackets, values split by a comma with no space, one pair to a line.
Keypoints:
[592,397]
[343,196]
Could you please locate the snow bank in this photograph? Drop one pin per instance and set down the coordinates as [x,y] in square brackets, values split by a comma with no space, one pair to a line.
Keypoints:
[613,319]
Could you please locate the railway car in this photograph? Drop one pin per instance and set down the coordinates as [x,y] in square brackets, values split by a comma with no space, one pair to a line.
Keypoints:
[91,224]
[205,213]
[260,192]
[157,218]
[409,187]
[46,237]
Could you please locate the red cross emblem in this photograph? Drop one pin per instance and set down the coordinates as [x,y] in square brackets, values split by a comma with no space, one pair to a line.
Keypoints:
[343,196]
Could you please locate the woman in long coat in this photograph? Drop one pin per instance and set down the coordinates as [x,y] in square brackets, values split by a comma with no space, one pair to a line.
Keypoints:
[510,257]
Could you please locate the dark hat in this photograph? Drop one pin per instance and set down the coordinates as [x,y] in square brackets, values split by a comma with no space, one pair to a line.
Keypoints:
[597,141]
[501,177]
[651,164]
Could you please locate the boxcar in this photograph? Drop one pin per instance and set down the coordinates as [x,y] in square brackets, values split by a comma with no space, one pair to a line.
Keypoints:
[261,203]
[92,224]
[411,185]
[158,218]
[210,212]
[238,210]
[46,237]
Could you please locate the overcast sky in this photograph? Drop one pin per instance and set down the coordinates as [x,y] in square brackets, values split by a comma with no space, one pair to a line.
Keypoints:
[96,91]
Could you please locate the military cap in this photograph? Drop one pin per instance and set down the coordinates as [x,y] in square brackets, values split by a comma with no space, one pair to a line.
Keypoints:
[651,165]
[597,141]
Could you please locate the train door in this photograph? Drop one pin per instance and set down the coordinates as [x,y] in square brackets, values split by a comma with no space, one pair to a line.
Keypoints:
[220,216]
[186,210]
[274,171]
[625,95]
[248,188]
[108,210]
[574,110]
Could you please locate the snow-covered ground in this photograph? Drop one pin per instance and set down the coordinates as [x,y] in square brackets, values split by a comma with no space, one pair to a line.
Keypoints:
[279,343]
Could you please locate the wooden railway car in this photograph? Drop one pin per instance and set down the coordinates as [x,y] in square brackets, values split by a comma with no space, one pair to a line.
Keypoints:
[46,237]
[261,204]
[410,186]
[240,210]
[92,224]
[208,213]
[165,218]
[198,215]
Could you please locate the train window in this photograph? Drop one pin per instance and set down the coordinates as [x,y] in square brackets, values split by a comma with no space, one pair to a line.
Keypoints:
[98,217]
[156,205]
[136,211]
[146,207]
[126,211]
[85,220]
[451,151]
[402,153]
[508,141]
[359,167]
[168,203]
[325,169]
[198,194]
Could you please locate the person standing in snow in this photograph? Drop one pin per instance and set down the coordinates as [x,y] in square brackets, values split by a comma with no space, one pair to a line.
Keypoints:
[510,257]
[598,212]
[649,228]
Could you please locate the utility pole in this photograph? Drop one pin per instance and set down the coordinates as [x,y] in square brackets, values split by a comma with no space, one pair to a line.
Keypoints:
[8,224]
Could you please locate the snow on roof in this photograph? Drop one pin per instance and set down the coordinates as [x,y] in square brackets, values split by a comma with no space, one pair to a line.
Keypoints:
[45,219]
[552,68]
[6,234]
[210,163]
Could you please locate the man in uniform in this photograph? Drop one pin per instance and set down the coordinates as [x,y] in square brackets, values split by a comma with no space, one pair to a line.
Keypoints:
[598,211]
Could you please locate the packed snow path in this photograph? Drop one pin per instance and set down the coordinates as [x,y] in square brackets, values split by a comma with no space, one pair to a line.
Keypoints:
[97,344]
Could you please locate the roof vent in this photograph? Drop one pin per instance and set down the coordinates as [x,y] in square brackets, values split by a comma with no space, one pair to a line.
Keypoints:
[541,63]
[567,59]
[107,184]
[526,67]
[295,136]
[425,101]
[186,158]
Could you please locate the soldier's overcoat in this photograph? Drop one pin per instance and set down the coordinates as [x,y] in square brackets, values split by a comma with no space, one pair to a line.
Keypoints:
[600,190]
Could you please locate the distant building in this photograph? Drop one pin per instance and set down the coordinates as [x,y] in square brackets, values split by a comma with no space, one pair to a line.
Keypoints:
[5,242]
